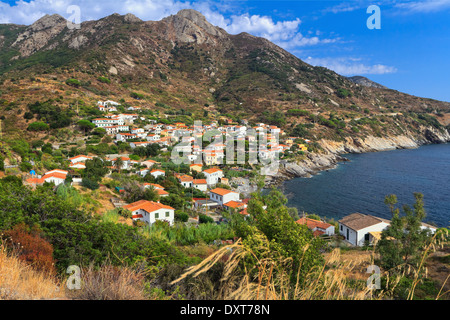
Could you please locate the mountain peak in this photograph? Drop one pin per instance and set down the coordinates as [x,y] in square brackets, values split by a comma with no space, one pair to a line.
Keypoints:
[189,25]
[363,81]
[47,21]
[192,15]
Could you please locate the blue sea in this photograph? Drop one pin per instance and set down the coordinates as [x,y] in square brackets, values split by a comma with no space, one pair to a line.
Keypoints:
[361,184]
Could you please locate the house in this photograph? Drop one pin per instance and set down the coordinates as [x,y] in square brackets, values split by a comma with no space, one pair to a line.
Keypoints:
[148,163]
[200,184]
[357,228]
[150,211]
[126,162]
[77,165]
[56,176]
[185,180]
[213,176]
[157,172]
[158,189]
[79,158]
[234,205]
[222,196]
[196,167]
[138,144]
[317,227]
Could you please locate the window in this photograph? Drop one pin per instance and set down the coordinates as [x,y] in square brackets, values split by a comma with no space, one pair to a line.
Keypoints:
[342,228]
[156,215]
[167,214]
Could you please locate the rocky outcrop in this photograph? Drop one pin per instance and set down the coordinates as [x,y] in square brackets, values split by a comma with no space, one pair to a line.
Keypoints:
[191,26]
[39,34]
[334,152]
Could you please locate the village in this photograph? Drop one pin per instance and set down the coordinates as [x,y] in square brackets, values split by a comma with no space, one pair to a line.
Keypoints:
[215,186]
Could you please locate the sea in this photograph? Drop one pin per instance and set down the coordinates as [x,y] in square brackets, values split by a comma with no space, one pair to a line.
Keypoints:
[361,184]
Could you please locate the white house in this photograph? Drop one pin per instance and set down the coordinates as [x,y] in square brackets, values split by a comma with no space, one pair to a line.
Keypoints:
[126,162]
[213,175]
[150,212]
[157,172]
[222,196]
[56,176]
[200,184]
[80,158]
[358,228]
[186,180]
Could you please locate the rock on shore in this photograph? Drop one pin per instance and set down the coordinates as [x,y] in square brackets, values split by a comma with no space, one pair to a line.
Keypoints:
[333,152]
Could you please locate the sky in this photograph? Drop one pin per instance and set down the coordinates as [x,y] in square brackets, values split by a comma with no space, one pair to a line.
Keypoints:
[409,52]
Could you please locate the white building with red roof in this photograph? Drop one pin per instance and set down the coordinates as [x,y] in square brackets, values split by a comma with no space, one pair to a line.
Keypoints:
[150,212]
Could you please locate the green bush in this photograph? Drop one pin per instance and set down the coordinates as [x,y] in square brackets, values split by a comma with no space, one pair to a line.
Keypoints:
[73,82]
[104,80]
[38,126]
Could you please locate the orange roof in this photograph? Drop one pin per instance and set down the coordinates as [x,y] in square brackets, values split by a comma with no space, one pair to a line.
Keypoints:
[155,170]
[200,181]
[154,185]
[161,192]
[77,163]
[233,204]
[221,191]
[148,206]
[35,180]
[212,170]
[196,164]
[55,175]
[311,223]
[80,156]
[185,178]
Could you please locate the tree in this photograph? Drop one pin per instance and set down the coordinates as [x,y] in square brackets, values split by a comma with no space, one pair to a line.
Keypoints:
[86,125]
[118,163]
[272,232]
[403,240]
[95,169]
[38,126]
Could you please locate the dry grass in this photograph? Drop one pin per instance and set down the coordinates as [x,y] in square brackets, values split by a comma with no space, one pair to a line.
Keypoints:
[337,279]
[110,283]
[18,281]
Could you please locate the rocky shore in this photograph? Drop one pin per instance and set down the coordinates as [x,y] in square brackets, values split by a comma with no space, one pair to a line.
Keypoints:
[334,152]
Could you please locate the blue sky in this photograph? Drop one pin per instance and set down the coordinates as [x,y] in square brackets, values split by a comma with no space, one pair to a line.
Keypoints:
[410,52]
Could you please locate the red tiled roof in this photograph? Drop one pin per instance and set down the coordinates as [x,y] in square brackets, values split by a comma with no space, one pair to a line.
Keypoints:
[148,206]
[311,223]
[212,170]
[233,204]
[221,191]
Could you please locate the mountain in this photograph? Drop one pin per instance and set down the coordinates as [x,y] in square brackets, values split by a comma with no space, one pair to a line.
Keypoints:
[183,62]
[363,81]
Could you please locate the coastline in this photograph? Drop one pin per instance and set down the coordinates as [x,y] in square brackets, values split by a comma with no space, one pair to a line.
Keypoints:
[334,153]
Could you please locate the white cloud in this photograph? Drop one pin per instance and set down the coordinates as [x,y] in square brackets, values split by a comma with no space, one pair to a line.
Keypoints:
[425,6]
[350,66]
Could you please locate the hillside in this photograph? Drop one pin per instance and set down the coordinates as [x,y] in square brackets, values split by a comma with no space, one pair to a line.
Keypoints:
[184,63]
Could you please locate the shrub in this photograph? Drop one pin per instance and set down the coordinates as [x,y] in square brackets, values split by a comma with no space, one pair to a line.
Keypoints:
[31,247]
[181,216]
[203,218]
[104,80]
[90,184]
[38,126]
[73,82]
